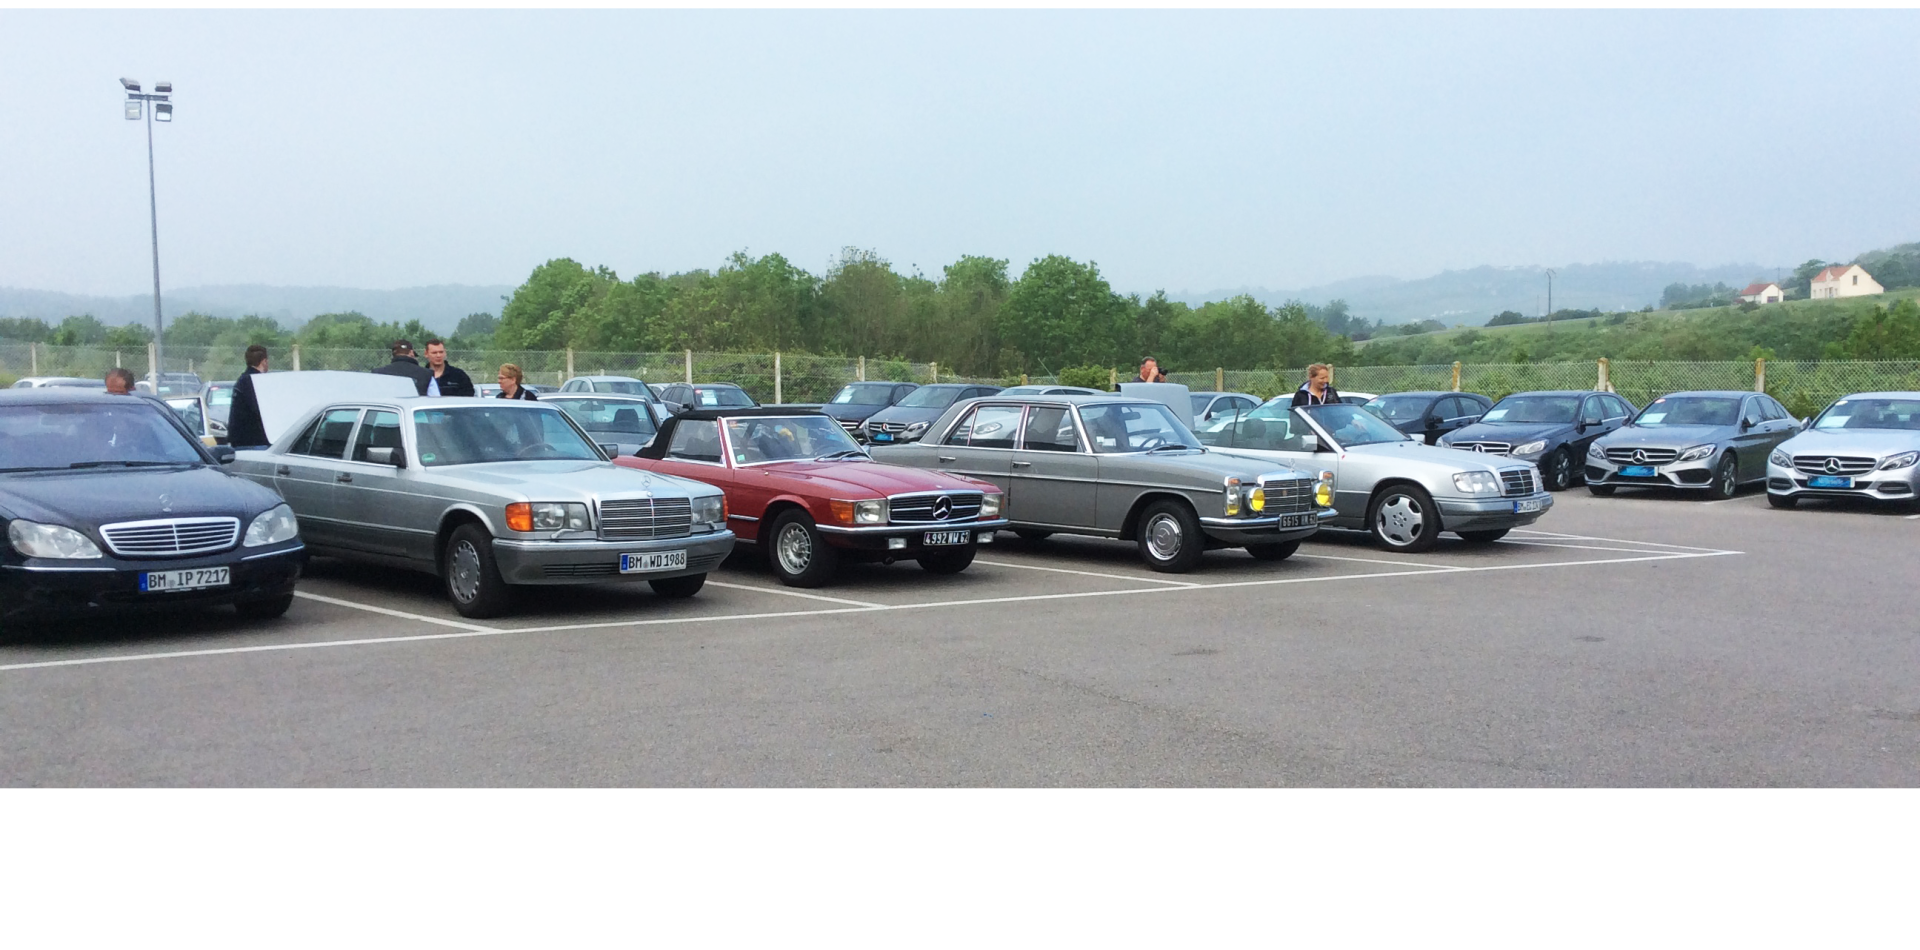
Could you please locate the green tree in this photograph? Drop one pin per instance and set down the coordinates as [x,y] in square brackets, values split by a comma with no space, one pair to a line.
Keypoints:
[25,329]
[1062,313]
[963,323]
[863,305]
[751,304]
[1886,334]
[540,314]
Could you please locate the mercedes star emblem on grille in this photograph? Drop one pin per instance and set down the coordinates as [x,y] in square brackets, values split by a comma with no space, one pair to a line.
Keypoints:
[1480,447]
[1833,465]
[1639,457]
[942,508]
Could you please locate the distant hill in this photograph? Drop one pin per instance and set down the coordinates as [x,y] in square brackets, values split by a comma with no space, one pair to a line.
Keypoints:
[439,307]
[1472,296]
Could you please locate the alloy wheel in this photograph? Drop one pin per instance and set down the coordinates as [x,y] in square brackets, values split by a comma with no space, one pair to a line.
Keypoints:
[1399,520]
[795,549]
[463,577]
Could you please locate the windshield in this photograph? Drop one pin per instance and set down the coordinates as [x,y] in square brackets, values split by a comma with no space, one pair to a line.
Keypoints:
[466,435]
[1690,411]
[1135,427]
[1200,403]
[130,432]
[627,419]
[721,397]
[864,394]
[189,412]
[784,438]
[930,397]
[1353,425]
[1399,408]
[627,387]
[1534,409]
[220,394]
[1870,414]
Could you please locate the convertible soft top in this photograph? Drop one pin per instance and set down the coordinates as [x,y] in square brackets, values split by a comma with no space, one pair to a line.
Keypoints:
[657,449]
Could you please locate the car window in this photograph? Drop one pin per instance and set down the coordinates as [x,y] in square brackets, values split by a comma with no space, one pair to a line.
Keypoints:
[129,431]
[189,412]
[380,431]
[1199,403]
[756,439]
[695,440]
[1135,427]
[722,397]
[1773,408]
[1050,429]
[509,431]
[1456,407]
[1591,413]
[329,436]
[987,427]
[1617,408]
[630,420]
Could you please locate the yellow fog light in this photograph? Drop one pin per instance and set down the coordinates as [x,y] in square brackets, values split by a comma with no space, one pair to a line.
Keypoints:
[1323,491]
[1257,500]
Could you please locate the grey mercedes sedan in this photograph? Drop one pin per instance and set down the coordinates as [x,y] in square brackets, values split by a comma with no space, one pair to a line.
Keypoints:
[1120,467]
[1864,446]
[487,494]
[1387,482]
[1710,442]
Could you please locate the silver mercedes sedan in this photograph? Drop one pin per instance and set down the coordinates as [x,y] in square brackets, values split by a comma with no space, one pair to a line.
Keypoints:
[487,494]
[1864,446]
[1384,481]
[1710,442]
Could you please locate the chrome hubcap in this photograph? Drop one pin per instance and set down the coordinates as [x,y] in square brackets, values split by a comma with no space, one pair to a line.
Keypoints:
[1399,520]
[463,575]
[1164,537]
[795,549]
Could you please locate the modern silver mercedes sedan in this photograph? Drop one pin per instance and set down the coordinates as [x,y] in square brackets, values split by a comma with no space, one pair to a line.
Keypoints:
[487,494]
[1864,446]
[1710,442]
[1118,466]
[1391,484]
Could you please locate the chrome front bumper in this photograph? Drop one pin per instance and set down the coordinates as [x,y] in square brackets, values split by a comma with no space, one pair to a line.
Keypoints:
[588,562]
[1262,530]
[1487,514]
[1898,484]
[1696,475]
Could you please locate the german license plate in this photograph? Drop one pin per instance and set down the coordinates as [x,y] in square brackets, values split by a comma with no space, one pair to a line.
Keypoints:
[881,437]
[200,578]
[945,537]
[1300,520]
[1529,504]
[1830,481]
[1638,471]
[657,561]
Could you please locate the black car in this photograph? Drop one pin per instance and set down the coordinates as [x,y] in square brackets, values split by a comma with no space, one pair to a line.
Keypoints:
[907,420]
[1430,414]
[1550,429]
[108,504]
[685,397]
[855,402]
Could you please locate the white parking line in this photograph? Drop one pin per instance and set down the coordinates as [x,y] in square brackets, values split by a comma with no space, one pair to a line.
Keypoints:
[793,593]
[423,618]
[1556,536]
[1375,560]
[1910,517]
[1587,547]
[665,621]
[1062,570]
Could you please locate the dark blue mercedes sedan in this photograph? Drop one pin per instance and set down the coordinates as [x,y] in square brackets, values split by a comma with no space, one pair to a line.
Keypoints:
[108,504]
[1550,429]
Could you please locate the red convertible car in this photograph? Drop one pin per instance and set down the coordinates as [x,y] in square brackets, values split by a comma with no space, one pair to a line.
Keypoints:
[801,489]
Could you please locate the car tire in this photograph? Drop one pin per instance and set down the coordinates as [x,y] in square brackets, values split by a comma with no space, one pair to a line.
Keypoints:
[1726,478]
[951,561]
[266,609]
[1782,501]
[798,554]
[1169,537]
[1556,470]
[685,585]
[1273,552]
[1032,534]
[472,578]
[1603,491]
[1485,537]
[1404,518]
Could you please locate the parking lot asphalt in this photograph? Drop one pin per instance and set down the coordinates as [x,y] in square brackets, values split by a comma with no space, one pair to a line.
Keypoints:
[1640,640]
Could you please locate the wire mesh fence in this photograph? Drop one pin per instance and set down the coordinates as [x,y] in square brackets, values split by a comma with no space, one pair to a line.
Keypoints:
[1804,386]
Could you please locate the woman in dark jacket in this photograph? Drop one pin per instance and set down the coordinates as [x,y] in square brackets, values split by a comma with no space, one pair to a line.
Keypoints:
[1319,389]
[510,384]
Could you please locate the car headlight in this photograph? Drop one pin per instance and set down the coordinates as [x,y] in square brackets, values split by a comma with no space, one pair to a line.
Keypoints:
[1594,451]
[1537,445]
[548,516]
[1902,460]
[272,526]
[50,540]
[1323,490]
[1236,497]
[710,510]
[915,428]
[1695,454]
[871,511]
[1780,458]
[1477,483]
[990,505]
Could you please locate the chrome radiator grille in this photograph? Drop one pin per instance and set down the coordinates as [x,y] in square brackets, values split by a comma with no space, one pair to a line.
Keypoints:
[1625,456]
[925,509]
[645,519]
[1841,465]
[1490,448]
[171,536]
[1287,496]
[1517,481]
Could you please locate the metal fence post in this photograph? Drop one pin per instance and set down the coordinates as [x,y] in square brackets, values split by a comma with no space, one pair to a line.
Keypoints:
[153,366]
[116,359]
[1219,380]
[689,367]
[296,357]
[1329,374]
[776,377]
[1602,384]
[1456,375]
[33,357]
[861,375]
[1760,375]
[569,362]
[1023,379]
[1113,379]
[936,371]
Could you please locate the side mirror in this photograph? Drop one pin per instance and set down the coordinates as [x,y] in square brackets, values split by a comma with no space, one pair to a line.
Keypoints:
[1746,424]
[611,448]
[387,455]
[1435,422]
[223,454]
[1309,443]
[1804,423]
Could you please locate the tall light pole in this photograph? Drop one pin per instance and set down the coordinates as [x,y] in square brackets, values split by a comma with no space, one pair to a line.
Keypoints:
[162,111]
[1549,293]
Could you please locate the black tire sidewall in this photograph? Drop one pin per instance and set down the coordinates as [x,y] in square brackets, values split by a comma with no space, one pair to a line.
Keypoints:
[1564,463]
[1193,544]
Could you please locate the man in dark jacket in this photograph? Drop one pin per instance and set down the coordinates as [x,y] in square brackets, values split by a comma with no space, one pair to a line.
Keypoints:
[245,430]
[1319,389]
[448,379]
[405,365]
[1149,372]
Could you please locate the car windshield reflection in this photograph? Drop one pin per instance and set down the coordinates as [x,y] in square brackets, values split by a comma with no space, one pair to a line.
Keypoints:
[1555,409]
[469,435]
[128,433]
[627,419]
[1399,408]
[757,439]
[1690,411]
[1870,414]
[1135,427]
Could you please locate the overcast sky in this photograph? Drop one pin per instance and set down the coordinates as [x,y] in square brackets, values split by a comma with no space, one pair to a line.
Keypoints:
[1185,151]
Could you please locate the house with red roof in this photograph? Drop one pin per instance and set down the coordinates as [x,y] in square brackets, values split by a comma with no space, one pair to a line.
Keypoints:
[1762,293]
[1844,280]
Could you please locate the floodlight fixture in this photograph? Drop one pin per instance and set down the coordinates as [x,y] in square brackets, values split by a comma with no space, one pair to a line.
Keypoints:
[130,84]
[133,109]
[162,112]
[163,88]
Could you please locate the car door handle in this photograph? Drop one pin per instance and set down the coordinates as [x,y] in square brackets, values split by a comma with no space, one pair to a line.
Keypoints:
[344,477]
[283,470]
[1023,465]
[944,458]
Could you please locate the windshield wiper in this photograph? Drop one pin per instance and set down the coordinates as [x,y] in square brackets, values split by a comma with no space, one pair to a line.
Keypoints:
[133,463]
[843,453]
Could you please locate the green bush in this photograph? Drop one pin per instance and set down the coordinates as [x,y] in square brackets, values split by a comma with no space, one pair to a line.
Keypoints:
[1092,377]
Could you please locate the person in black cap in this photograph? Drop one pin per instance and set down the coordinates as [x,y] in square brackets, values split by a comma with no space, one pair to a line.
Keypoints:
[404,364]
[245,430]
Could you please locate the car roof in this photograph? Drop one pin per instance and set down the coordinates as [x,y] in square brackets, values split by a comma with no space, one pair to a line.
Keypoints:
[1892,394]
[750,411]
[880,382]
[1720,393]
[54,395]
[1559,392]
[598,397]
[628,379]
[956,385]
[1427,392]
